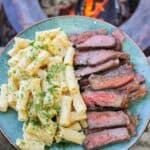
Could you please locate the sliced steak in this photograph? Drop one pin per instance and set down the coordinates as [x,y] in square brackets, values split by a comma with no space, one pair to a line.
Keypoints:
[94,57]
[122,69]
[107,119]
[81,58]
[139,93]
[106,137]
[102,56]
[80,38]
[112,79]
[93,69]
[105,99]
[98,41]
[140,78]
[133,85]
[98,82]
[130,87]
[120,37]
[133,123]
[84,82]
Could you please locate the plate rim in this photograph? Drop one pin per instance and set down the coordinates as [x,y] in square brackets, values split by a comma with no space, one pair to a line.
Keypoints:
[76,16]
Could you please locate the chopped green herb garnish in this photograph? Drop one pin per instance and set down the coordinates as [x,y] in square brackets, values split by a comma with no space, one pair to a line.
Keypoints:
[36,122]
[32,43]
[54,71]
[57,107]
[42,94]
[37,107]
[53,89]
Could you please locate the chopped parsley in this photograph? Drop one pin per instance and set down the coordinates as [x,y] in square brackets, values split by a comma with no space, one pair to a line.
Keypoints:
[37,107]
[34,45]
[42,94]
[53,89]
[54,71]
[57,107]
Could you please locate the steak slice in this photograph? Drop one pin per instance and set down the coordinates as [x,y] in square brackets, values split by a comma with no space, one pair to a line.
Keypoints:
[133,85]
[81,57]
[105,99]
[112,79]
[133,123]
[107,119]
[93,69]
[120,37]
[98,41]
[98,57]
[84,82]
[140,78]
[109,136]
[98,82]
[94,57]
[130,87]
[80,38]
[139,93]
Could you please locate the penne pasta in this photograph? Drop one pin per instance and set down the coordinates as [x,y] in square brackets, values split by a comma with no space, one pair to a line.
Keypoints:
[78,102]
[84,123]
[20,43]
[41,60]
[65,111]
[71,80]
[68,60]
[50,34]
[28,57]
[30,144]
[4,98]
[43,89]
[15,59]
[47,132]
[75,126]
[23,95]
[72,135]
[77,116]
[22,115]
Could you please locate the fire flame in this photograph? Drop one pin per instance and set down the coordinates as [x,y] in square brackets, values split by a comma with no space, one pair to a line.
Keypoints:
[92,8]
[99,7]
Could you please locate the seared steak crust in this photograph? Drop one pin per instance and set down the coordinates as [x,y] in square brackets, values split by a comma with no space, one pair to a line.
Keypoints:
[94,57]
[105,98]
[93,69]
[98,41]
[80,38]
[106,137]
[107,119]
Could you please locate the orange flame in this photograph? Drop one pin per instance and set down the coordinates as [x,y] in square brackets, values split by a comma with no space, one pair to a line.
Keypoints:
[99,7]
[90,10]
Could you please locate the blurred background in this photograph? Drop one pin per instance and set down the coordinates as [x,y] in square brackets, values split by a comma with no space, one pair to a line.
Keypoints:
[132,16]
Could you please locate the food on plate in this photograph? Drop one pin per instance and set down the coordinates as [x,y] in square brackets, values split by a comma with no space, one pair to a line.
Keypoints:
[106,137]
[74,88]
[112,79]
[98,41]
[105,99]
[108,83]
[43,89]
[80,38]
[92,57]
[83,71]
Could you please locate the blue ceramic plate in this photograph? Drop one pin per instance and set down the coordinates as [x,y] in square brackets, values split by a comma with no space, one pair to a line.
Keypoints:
[8,121]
